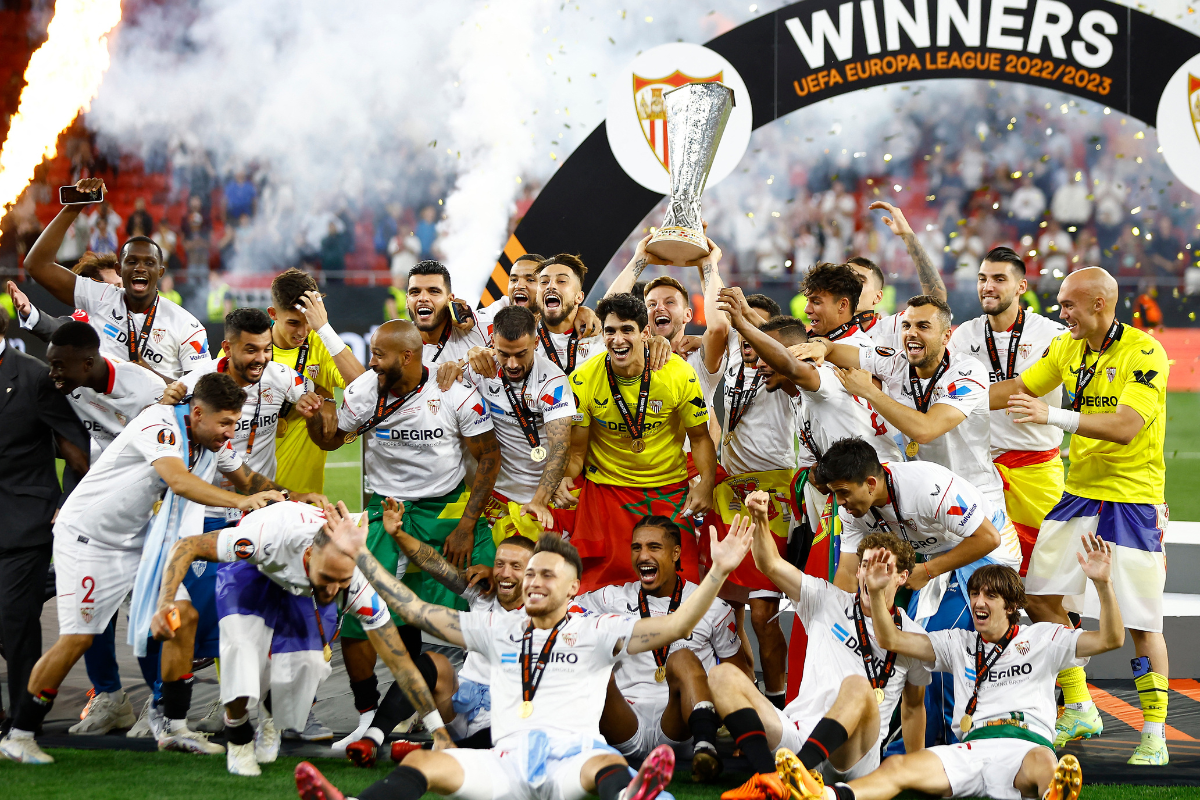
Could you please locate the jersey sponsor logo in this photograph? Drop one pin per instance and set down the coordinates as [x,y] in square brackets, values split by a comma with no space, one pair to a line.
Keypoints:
[1145,378]
[959,389]
[371,608]
[699,403]
[112,330]
[508,658]
[264,420]
[201,347]
[166,437]
[1099,402]
[299,380]
[997,675]
[619,427]
[850,641]
[886,352]
[553,398]
[243,548]
[407,435]
[960,509]
[435,405]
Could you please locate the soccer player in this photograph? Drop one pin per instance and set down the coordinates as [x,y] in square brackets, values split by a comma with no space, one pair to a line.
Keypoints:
[1116,378]
[278,600]
[432,309]
[662,696]
[832,292]
[464,700]
[841,714]
[416,437]
[548,673]
[1011,339]
[105,394]
[531,407]
[627,443]
[134,322]
[1003,688]
[100,530]
[560,300]
[303,340]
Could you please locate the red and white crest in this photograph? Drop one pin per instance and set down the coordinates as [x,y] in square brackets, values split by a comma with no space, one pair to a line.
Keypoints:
[434,405]
[570,639]
[157,335]
[652,110]
[268,395]
[1194,102]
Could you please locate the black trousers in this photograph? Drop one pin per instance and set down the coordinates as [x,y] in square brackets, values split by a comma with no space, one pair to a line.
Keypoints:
[22,594]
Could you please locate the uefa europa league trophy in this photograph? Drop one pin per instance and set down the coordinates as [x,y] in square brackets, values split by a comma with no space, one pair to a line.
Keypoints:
[696,117]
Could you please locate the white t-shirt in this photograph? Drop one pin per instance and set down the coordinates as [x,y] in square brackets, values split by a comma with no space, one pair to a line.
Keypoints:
[475,666]
[275,539]
[708,380]
[835,653]
[965,449]
[115,499]
[1021,680]
[886,331]
[278,384]
[970,340]
[584,348]
[570,697]
[938,510]
[833,413]
[714,637]
[105,414]
[459,344]
[765,436]
[177,343]
[548,397]
[417,451]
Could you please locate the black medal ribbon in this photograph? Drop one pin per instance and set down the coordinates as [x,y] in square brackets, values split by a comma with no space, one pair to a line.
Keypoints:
[548,345]
[983,666]
[1009,370]
[843,329]
[879,680]
[531,672]
[301,361]
[922,398]
[865,320]
[661,653]
[634,424]
[521,411]
[193,448]
[382,412]
[883,523]
[810,441]
[442,341]
[137,342]
[739,402]
[1086,373]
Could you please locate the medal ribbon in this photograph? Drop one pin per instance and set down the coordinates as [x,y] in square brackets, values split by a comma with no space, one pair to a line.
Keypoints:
[922,398]
[531,673]
[864,320]
[661,653]
[1085,372]
[1010,371]
[883,523]
[810,441]
[301,360]
[634,425]
[223,366]
[521,411]
[137,342]
[548,345]
[983,666]
[740,400]
[193,449]
[879,680]
[382,413]
[442,341]
[845,328]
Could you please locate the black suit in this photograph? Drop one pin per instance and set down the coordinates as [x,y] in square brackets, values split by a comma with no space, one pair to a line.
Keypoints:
[32,411]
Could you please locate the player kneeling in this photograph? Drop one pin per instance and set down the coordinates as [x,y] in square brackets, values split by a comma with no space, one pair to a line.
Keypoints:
[838,719]
[279,604]
[549,671]
[1004,677]
[663,696]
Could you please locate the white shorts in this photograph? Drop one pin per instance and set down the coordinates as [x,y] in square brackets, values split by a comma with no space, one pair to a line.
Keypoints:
[984,768]
[649,733]
[91,581]
[510,774]
[796,733]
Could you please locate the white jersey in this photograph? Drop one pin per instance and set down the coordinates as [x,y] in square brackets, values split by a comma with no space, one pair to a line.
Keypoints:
[1020,685]
[885,331]
[835,652]
[176,345]
[278,384]
[485,317]
[965,449]
[548,397]
[475,666]
[570,697]
[830,413]
[458,345]
[970,339]
[714,637]
[417,451]
[276,538]
[938,509]
[584,348]
[115,499]
[105,414]
[708,380]
[765,436]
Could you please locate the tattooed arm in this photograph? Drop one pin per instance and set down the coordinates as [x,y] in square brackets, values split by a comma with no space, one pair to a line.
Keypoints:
[386,641]
[558,445]
[183,553]
[931,279]
[420,553]
[437,620]
[633,270]
[461,540]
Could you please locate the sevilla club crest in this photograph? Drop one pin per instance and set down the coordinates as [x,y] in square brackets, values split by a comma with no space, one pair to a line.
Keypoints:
[652,110]
[434,405]
[1193,102]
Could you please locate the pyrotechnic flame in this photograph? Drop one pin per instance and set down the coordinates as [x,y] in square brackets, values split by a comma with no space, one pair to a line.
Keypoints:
[63,76]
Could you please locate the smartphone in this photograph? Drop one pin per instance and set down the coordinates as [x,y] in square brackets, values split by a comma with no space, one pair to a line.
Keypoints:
[461,315]
[70,196]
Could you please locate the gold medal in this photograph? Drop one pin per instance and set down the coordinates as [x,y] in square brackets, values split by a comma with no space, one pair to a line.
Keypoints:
[912,449]
[728,439]
[281,428]
[325,651]
[526,709]
[538,454]
[660,674]
[879,695]
[157,506]
[965,723]
[638,445]
[350,437]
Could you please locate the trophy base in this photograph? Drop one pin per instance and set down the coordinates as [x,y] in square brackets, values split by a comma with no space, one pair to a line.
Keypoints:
[678,245]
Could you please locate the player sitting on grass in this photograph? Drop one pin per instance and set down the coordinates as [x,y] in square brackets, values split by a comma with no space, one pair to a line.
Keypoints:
[847,696]
[1004,677]
[549,671]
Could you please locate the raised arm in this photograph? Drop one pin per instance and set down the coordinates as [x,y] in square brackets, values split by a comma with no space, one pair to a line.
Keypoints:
[623,283]
[313,308]
[39,261]
[654,632]
[766,554]
[420,553]
[769,349]
[716,332]
[183,553]
[931,279]
[917,645]
[386,641]
[1098,567]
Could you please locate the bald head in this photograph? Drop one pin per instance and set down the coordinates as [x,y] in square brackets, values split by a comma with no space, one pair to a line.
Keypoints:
[1088,299]
[396,351]
[397,335]
[1092,282]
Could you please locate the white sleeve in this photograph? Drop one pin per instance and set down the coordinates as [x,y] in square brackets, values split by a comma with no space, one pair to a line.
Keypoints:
[947,645]
[297,385]
[348,418]
[471,412]
[159,439]
[612,630]
[961,509]
[365,603]
[877,360]
[1061,648]
[193,349]
[723,636]
[88,293]
[965,386]
[919,672]
[853,531]
[592,602]
[556,400]
[476,627]
[814,594]
[228,459]
[242,543]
